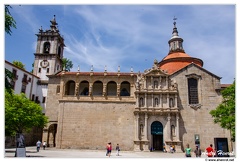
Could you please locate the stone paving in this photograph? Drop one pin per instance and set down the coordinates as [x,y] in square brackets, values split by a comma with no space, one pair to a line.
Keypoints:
[74,153]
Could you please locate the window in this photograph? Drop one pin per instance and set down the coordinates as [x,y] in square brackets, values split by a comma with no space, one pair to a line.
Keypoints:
[141,102]
[171,102]
[33,96]
[14,71]
[23,90]
[46,47]
[155,84]
[12,84]
[156,102]
[47,70]
[24,78]
[192,91]
[39,70]
[36,99]
[44,99]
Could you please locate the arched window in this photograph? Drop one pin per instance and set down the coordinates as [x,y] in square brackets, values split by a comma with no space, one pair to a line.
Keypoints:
[84,88]
[70,88]
[156,102]
[112,88]
[97,88]
[125,89]
[155,84]
[192,91]
[141,104]
[171,102]
[46,47]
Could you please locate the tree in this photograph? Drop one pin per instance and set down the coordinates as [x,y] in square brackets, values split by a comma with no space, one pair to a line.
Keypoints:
[224,114]
[9,20]
[19,64]
[67,64]
[22,114]
[8,79]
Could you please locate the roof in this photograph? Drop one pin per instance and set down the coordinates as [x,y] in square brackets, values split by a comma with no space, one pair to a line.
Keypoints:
[96,73]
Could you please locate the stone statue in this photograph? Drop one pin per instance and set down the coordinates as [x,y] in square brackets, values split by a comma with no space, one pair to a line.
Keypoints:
[20,141]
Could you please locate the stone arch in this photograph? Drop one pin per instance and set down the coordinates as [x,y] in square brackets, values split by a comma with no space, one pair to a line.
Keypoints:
[157,135]
[125,89]
[84,88]
[70,88]
[46,47]
[111,88]
[97,88]
[51,139]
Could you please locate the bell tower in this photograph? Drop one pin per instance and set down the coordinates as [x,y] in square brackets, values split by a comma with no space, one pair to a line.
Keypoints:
[49,52]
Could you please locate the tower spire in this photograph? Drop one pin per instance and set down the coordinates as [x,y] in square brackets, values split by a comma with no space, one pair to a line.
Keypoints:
[54,24]
[175,43]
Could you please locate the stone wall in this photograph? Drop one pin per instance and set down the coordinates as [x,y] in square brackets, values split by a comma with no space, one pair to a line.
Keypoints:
[91,125]
[198,120]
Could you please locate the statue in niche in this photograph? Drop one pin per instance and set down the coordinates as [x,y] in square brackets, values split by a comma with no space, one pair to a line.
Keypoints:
[173,85]
[139,81]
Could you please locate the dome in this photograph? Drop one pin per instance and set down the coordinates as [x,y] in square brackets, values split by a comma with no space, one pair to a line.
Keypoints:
[177,58]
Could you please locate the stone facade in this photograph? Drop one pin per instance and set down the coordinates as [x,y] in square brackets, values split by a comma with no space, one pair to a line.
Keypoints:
[168,104]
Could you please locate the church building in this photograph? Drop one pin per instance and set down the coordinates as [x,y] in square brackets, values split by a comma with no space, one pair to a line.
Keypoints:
[167,104]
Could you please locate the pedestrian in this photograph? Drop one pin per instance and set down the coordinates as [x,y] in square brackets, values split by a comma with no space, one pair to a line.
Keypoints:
[188,151]
[117,149]
[109,149]
[164,149]
[38,144]
[210,151]
[198,151]
[171,149]
[44,145]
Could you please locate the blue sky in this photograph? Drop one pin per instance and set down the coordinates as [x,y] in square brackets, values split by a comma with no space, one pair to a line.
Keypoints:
[128,35]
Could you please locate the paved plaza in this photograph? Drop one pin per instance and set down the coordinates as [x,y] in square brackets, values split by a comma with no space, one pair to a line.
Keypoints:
[78,153]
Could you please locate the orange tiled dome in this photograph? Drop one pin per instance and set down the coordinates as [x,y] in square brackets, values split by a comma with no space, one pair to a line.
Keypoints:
[177,58]
[176,61]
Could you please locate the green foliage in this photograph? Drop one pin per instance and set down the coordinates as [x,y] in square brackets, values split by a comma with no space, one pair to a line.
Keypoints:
[9,20]
[19,64]
[224,114]
[8,79]
[67,64]
[22,114]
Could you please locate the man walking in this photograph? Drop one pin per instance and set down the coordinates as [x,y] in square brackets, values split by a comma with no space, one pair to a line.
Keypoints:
[38,144]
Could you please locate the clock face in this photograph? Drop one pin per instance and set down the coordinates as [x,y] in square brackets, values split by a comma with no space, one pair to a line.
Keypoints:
[44,63]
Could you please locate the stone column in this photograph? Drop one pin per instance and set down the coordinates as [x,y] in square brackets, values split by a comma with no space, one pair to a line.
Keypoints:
[137,101]
[161,98]
[168,100]
[145,127]
[136,140]
[177,125]
[167,82]
[145,82]
[152,100]
[145,104]
[136,127]
[152,82]
[145,141]
[159,85]
[169,127]
[175,105]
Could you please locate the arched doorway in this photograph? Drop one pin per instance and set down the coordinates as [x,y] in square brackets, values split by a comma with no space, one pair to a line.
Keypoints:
[52,131]
[157,135]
